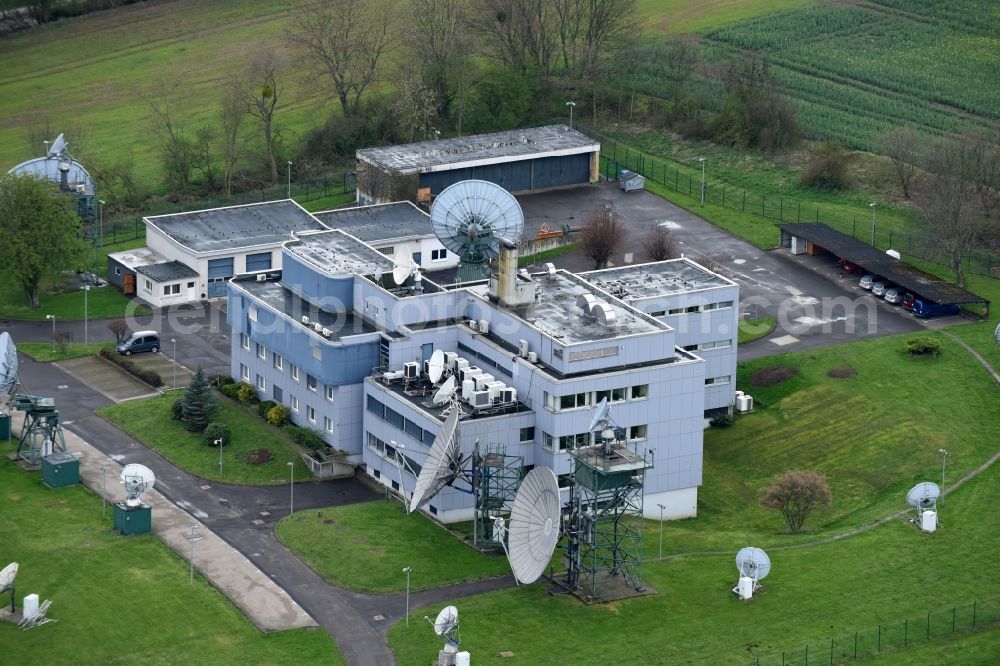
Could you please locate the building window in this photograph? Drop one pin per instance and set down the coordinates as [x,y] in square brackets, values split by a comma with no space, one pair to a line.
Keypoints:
[252,314]
[276,393]
[277,361]
[244,372]
[725,304]
[549,401]
[637,432]
[716,381]
[528,434]
[310,382]
[171,289]
[311,414]
[574,441]
[376,407]
[439,255]
[675,311]
[692,308]
[295,404]
[657,313]
[147,285]
[640,391]
[261,352]
[618,395]
[317,353]
[387,251]
[329,393]
[294,369]
[690,347]
[245,341]
[557,353]
[573,401]
[547,440]
[118,270]
[327,424]
[190,285]
[261,384]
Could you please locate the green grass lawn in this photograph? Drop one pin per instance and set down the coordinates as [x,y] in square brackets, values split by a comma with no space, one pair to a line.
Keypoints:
[966,648]
[102,302]
[150,421]
[365,547]
[42,351]
[121,600]
[326,203]
[750,329]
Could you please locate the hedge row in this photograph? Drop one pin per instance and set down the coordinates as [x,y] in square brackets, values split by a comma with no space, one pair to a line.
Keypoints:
[129,366]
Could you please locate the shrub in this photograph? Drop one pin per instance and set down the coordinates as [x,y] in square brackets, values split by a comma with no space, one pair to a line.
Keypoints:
[264,407]
[177,409]
[925,346]
[224,380]
[304,436]
[216,431]
[230,390]
[198,403]
[722,420]
[126,364]
[827,169]
[278,415]
[246,394]
[795,494]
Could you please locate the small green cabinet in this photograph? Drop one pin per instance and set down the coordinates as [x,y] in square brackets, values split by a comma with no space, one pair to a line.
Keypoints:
[133,519]
[60,470]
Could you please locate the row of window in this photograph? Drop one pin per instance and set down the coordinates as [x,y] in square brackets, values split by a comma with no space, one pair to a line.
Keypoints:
[704,346]
[278,363]
[389,452]
[482,360]
[261,384]
[632,434]
[721,305]
[586,399]
[397,420]
[717,381]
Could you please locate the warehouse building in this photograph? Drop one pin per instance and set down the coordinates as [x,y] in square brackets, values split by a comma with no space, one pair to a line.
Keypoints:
[524,160]
[344,346]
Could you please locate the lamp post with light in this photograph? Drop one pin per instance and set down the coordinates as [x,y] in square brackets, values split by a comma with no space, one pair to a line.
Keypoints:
[291,489]
[289,179]
[702,160]
[872,206]
[53,318]
[571,106]
[661,529]
[944,464]
[407,571]
[86,316]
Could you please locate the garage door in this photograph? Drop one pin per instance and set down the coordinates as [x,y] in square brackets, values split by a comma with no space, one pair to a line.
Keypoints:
[219,272]
[259,262]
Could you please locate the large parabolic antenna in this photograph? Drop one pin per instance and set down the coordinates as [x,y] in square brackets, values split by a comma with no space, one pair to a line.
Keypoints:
[534,524]
[136,479]
[8,364]
[441,466]
[923,495]
[753,563]
[470,218]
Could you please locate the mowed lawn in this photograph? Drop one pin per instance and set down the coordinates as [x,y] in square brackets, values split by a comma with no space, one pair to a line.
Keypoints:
[121,600]
[150,421]
[101,302]
[365,547]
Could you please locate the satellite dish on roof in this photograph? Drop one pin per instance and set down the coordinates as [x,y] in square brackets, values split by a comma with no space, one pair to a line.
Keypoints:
[8,364]
[753,563]
[444,393]
[923,495]
[8,575]
[534,524]
[137,479]
[400,272]
[440,467]
[58,146]
[470,218]
[601,413]
[435,366]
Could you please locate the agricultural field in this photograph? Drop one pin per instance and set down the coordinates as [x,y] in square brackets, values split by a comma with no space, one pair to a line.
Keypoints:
[856,70]
[677,17]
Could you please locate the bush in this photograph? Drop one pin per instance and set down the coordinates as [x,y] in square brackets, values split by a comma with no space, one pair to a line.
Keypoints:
[827,169]
[278,415]
[722,420]
[264,407]
[246,394]
[126,364]
[305,437]
[795,494]
[224,380]
[925,346]
[230,390]
[177,409]
[216,431]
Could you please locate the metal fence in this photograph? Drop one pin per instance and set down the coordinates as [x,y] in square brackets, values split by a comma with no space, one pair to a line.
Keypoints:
[866,643]
[686,179]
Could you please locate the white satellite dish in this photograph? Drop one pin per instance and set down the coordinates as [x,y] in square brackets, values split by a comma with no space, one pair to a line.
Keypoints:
[534,524]
[8,364]
[7,576]
[601,413]
[137,479]
[439,468]
[923,495]
[446,621]
[400,272]
[435,366]
[58,146]
[753,565]
[444,393]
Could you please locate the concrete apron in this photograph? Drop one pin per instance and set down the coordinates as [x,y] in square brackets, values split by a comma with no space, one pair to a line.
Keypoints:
[264,603]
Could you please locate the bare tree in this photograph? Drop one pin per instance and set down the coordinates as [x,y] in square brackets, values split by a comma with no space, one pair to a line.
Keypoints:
[437,34]
[660,244]
[119,328]
[347,38]
[519,33]
[261,94]
[232,113]
[601,234]
[62,339]
[902,146]
[415,107]
[795,494]
[176,147]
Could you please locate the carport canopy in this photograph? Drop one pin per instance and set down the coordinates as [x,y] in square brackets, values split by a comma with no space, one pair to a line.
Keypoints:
[872,260]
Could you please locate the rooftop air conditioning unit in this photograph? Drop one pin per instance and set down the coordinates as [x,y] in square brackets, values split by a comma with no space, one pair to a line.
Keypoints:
[317,326]
[411,370]
[449,360]
[468,388]
[392,375]
[744,403]
[327,332]
[738,393]
[508,395]
[470,373]
[484,326]
[495,388]
[305,320]
[261,277]
[532,357]
[482,381]
[480,399]
[426,366]
[522,348]
[461,364]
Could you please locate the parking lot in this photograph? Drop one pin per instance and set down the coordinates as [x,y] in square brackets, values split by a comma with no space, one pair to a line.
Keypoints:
[100,375]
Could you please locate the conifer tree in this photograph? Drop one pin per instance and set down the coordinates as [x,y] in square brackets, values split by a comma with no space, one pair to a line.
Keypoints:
[198,403]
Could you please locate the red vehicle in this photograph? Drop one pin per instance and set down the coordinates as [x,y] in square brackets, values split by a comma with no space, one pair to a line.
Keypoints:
[909,300]
[849,267]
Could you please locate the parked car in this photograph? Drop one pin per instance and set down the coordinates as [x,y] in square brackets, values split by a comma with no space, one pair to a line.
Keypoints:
[908,300]
[868,281]
[922,308]
[895,295]
[881,286]
[849,266]
[140,341]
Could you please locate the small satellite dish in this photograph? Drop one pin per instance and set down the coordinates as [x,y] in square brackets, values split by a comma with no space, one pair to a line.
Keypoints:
[601,413]
[753,563]
[58,146]
[8,363]
[435,366]
[137,479]
[400,272]
[446,621]
[444,393]
[996,335]
[439,468]
[378,274]
[8,575]
[923,495]
[534,524]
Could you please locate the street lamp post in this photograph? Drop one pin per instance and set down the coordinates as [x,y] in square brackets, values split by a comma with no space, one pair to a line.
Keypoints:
[104,500]
[289,179]
[53,318]
[661,529]
[173,358]
[702,160]
[291,489]
[571,106]
[100,217]
[86,316]
[193,537]
[872,206]
[407,571]
[944,464]
[218,443]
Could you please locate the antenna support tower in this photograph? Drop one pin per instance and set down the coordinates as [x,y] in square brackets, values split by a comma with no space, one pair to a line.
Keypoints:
[496,478]
[41,433]
[605,520]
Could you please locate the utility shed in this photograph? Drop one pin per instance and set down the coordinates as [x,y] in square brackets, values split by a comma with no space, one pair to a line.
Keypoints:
[520,161]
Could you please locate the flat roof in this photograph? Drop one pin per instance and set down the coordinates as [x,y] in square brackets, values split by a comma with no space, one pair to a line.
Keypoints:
[278,297]
[858,252]
[661,278]
[420,394]
[167,271]
[236,227]
[489,148]
[380,222]
[336,253]
[139,256]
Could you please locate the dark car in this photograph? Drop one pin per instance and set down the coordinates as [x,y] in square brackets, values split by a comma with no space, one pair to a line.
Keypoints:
[922,308]
[908,300]
[849,266]
[140,341]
